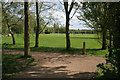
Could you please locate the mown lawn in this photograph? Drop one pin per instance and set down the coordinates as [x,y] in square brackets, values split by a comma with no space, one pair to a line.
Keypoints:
[57,43]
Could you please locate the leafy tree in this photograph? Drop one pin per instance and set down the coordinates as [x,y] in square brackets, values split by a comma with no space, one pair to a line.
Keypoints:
[56,27]
[95,15]
[62,29]
[9,11]
[105,16]
[40,21]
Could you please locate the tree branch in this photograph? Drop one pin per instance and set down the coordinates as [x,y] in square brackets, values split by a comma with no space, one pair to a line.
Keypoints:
[71,6]
[17,21]
[75,12]
[66,6]
[43,27]
[61,2]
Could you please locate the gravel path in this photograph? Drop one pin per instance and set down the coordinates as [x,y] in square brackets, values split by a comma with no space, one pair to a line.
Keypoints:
[56,65]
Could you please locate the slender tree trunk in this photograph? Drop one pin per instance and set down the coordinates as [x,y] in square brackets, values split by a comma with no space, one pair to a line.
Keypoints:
[116,41]
[67,25]
[104,40]
[26,32]
[13,38]
[67,32]
[37,31]
[110,42]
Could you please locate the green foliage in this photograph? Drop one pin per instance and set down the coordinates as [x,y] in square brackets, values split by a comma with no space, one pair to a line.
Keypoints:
[56,28]
[62,29]
[17,29]
[110,68]
[12,14]
[47,32]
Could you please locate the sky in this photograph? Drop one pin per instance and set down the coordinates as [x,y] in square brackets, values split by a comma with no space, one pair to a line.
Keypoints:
[74,22]
[58,13]
[60,17]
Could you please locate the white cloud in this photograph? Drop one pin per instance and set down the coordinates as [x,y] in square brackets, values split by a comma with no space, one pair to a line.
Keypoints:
[60,17]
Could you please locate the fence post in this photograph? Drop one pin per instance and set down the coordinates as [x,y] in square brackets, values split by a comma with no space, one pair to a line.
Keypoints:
[83,47]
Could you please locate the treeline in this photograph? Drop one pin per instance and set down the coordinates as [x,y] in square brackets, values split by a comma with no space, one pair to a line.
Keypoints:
[62,29]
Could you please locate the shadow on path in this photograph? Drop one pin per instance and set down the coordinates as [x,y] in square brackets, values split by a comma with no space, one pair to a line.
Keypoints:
[53,72]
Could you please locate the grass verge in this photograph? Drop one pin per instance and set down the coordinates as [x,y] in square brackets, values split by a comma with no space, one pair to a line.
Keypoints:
[14,63]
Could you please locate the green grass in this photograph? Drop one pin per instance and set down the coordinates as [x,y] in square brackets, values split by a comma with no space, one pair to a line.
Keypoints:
[13,63]
[57,43]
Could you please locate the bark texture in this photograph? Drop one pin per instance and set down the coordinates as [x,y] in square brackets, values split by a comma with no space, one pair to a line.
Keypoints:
[37,31]
[26,32]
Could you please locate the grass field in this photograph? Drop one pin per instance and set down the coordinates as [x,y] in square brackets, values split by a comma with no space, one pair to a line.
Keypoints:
[57,43]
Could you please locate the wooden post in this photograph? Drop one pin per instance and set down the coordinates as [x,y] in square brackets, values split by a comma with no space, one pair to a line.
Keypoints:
[83,47]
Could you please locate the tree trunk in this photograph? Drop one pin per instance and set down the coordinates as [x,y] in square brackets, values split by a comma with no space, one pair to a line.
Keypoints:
[67,32]
[26,33]
[104,40]
[37,31]
[116,41]
[67,24]
[110,42]
[13,38]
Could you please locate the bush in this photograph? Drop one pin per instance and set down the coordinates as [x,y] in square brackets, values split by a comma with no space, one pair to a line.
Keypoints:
[110,68]
[47,32]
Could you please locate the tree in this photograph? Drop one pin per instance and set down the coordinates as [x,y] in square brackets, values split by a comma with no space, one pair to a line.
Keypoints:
[56,27]
[40,19]
[37,31]
[68,21]
[105,16]
[9,10]
[26,32]
[96,13]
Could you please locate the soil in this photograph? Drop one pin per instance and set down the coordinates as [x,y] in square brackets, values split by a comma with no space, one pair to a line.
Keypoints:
[56,65]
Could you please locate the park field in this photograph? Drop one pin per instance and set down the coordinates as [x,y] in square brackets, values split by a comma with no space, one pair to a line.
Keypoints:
[57,43]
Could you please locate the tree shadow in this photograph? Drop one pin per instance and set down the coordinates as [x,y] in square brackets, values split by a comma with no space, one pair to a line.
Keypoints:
[61,50]
[53,72]
[85,37]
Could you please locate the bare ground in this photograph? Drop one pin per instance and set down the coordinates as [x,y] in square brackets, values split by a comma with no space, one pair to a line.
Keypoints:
[56,65]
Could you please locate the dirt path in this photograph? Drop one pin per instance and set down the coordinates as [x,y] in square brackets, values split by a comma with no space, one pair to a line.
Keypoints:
[55,65]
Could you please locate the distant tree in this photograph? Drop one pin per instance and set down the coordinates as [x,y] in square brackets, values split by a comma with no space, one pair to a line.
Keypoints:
[56,27]
[26,32]
[62,29]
